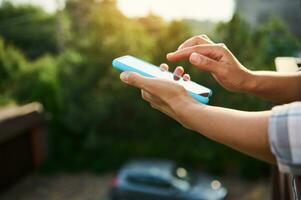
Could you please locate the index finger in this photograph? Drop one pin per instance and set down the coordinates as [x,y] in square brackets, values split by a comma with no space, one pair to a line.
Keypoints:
[206,50]
[196,40]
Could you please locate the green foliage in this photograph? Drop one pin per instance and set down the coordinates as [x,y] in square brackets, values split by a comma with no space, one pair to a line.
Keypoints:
[274,39]
[29,28]
[12,62]
[257,48]
[39,83]
[175,33]
[237,35]
[98,123]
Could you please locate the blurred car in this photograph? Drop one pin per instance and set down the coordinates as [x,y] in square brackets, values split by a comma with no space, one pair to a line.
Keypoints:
[163,180]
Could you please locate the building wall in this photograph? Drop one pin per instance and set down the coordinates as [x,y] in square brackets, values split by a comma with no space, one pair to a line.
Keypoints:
[257,11]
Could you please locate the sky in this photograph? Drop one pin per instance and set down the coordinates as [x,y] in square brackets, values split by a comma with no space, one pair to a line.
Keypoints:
[214,10]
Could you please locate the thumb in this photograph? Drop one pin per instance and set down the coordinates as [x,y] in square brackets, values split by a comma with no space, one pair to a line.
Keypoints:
[135,79]
[203,62]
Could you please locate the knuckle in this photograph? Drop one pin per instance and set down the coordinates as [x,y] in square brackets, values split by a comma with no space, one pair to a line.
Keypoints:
[222,48]
[195,49]
[143,95]
[132,79]
[198,48]
[182,90]
[204,61]
[154,106]
[222,45]
[200,38]
[197,37]
[223,72]
[204,36]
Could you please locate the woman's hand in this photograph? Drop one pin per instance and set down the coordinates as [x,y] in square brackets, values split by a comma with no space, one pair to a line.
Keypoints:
[216,59]
[163,95]
[243,131]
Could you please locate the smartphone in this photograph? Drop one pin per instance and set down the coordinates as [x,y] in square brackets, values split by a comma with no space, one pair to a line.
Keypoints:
[130,63]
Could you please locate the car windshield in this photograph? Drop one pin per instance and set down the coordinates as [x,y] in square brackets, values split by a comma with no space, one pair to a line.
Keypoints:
[149,181]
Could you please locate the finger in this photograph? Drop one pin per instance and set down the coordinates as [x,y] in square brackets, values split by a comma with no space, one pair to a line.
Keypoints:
[137,80]
[206,37]
[204,63]
[178,73]
[149,97]
[164,110]
[186,77]
[145,95]
[164,67]
[196,40]
[211,50]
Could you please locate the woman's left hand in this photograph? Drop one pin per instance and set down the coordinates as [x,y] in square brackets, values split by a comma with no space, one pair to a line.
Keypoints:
[163,95]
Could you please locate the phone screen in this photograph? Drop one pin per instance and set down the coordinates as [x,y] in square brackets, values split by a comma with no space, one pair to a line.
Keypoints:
[156,72]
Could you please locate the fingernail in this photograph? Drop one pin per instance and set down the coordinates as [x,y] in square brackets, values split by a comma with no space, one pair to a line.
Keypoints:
[195,58]
[162,69]
[170,54]
[124,76]
[176,77]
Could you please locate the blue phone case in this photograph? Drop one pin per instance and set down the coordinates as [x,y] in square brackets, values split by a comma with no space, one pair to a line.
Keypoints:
[125,67]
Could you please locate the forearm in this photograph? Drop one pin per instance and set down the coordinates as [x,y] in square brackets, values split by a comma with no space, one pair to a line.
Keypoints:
[277,87]
[246,132]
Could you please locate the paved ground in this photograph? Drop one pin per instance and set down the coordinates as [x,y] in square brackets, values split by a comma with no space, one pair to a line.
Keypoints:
[60,187]
[88,186]
[247,190]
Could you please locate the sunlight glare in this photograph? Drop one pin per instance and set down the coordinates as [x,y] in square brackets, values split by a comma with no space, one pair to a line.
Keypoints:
[214,10]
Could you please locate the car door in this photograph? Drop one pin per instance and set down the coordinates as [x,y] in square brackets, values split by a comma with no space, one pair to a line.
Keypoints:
[150,188]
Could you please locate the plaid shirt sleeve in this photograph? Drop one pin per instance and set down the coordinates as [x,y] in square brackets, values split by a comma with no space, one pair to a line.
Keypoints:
[285,137]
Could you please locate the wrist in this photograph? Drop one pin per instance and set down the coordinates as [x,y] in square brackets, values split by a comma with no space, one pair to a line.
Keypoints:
[184,108]
[251,82]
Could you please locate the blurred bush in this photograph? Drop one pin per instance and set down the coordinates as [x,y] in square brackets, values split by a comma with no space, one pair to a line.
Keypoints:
[97,122]
[26,27]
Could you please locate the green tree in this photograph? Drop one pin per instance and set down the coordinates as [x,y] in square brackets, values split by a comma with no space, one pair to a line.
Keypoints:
[38,82]
[154,24]
[273,39]
[29,28]
[257,47]
[12,63]
[96,121]
[237,35]
[168,41]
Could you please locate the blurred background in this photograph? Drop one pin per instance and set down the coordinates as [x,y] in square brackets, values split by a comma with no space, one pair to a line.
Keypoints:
[67,123]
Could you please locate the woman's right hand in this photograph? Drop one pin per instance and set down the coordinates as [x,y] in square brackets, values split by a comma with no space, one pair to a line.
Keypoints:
[216,59]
